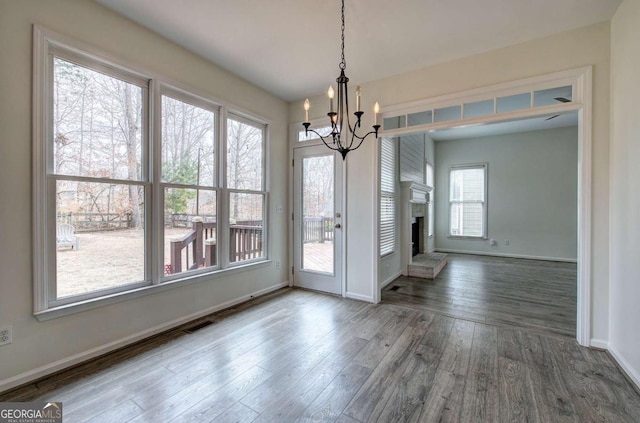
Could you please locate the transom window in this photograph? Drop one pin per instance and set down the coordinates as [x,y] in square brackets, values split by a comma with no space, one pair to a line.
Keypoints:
[122,204]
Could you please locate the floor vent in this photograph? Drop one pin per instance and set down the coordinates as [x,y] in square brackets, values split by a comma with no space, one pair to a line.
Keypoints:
[198,326]
[394,288]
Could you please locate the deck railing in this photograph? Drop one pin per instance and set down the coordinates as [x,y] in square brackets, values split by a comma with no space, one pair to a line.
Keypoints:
[317,229]
[200,241]
[198,247]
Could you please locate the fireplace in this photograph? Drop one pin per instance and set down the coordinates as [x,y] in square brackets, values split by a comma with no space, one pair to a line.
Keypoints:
[417,261]
[413,221]
[417,235]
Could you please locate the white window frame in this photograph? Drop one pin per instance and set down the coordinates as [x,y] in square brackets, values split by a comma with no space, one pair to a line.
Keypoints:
[484,167]
[46,306]
[383,249]
[191,99]
[224,258]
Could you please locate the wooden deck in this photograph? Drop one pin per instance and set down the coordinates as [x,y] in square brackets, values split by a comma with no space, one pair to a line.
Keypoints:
[302,356]
[318,256]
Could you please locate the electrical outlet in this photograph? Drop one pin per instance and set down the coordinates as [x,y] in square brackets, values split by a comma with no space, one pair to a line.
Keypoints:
[5,335]
[278,264]
[506,242]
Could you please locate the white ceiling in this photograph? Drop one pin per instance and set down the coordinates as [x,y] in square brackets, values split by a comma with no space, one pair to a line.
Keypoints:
[292,47]
[502,128]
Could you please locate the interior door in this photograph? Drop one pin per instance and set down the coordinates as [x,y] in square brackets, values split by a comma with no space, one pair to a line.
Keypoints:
[317,219]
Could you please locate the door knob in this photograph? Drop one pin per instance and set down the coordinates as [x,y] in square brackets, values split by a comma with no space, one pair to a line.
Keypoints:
[338,226]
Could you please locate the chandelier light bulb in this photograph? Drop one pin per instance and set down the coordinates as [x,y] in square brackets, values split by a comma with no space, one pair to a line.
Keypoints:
[376,110]
[331,94]
[306,110]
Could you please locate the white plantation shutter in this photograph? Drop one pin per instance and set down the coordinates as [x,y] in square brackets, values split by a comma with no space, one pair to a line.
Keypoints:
[467,198]
[387,196]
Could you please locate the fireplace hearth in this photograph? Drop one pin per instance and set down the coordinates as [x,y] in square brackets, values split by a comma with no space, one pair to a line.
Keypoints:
[416,258]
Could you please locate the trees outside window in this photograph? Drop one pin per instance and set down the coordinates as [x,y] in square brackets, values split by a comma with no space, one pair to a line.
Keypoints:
[104,167]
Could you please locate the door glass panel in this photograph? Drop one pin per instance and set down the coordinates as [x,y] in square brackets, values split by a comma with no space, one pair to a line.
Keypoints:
[318,214]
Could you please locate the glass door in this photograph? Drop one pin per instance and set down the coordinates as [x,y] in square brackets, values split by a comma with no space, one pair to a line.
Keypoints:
[317,219]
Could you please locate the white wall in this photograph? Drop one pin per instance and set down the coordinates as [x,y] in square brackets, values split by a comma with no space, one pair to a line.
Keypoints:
[532,192]
[412,155]
[38,345]
[625,190]
[572,49]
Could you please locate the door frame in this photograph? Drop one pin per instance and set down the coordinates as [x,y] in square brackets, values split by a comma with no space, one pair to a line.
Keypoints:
[294,144]
[581,81]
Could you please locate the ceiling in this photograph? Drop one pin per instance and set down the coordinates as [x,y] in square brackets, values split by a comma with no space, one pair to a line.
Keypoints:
[502,128]
[291,48]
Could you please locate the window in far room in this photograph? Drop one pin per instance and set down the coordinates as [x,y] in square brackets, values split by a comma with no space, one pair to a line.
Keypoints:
[467,201]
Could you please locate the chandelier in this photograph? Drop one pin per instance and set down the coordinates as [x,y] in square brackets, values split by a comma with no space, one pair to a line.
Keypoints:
[343,135]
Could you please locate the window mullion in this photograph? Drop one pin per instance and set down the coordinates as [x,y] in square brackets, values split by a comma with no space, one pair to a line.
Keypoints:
[223,204]
[155,239]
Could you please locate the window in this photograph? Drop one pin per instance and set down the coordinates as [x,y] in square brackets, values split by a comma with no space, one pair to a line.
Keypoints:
[467,201]
[245,180]
[325,131]
[429,176]
[188,184]
[121,205]
[387,196]
[96,182]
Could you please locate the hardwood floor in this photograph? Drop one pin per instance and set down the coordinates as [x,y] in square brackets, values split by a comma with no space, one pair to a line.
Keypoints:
[301,356]
[530,294]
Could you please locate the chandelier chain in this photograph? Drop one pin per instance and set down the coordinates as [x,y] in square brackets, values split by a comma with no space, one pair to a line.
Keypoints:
[343,63]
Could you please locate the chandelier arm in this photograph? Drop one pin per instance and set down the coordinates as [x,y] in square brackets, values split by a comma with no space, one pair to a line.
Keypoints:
[375,132]
[325,142]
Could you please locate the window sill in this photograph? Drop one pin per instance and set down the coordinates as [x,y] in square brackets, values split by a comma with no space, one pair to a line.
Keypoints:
[470,238]
[81,306]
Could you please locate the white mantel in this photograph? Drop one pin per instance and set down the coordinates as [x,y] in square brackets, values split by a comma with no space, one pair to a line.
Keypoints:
[411,193]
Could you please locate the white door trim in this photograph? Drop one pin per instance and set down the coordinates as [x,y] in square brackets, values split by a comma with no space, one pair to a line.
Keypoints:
[331,283]
[581,81]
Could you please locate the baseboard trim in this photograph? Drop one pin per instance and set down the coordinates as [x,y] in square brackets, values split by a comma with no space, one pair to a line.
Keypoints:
[624,365]
[31,375]
[390,279]
[521,256]
[599,343]
[359,297]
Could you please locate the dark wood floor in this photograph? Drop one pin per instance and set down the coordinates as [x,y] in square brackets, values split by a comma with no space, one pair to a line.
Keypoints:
[301,356]
[530,294]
